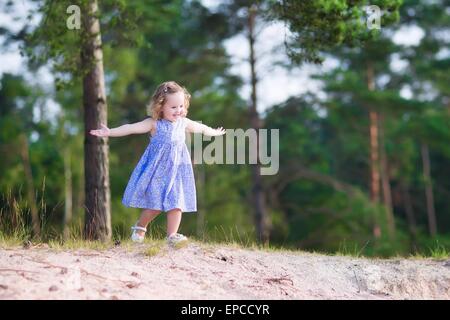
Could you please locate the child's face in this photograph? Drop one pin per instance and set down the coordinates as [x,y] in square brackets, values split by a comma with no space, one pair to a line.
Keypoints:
[174,106]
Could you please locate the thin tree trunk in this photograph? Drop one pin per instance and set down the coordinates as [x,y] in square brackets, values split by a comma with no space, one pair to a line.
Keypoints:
[374,157]
[428,190]
[79,207]
[387,195]
[407,203]
[262,220]
[67,193]
[96,162]
[25,156]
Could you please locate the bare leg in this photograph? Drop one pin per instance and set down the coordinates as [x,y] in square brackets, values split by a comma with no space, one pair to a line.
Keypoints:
[147,216]
[173,221]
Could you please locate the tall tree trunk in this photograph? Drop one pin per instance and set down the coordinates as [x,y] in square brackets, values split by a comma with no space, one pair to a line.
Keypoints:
[407,203]
[428,190]
[262,219]
[96,162]
[31,193]
[67,193]
[387,195]
[374,157]
[79,206]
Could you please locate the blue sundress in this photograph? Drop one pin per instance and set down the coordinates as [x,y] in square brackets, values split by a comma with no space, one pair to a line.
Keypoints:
[163,178]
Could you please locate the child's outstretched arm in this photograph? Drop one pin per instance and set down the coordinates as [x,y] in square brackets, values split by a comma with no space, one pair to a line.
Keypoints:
[127,129]
[195,127]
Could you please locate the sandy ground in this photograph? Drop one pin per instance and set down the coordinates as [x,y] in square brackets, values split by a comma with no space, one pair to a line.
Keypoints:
[200,271]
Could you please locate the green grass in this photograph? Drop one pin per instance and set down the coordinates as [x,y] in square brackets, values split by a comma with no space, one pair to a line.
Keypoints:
[13,240]
[439,252]
[154,248]
[352,250]
[73,244]
[155,244]
[238,243]
[232,237]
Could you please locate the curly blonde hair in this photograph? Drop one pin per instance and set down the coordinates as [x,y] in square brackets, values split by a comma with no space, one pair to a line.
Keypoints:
[159,98]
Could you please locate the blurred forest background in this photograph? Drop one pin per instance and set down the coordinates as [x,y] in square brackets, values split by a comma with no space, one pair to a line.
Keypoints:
[364,159]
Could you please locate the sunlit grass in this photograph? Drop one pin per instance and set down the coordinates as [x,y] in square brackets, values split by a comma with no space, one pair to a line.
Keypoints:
[233,238]
[12,240]
[439,252]
[154,248]
[352,250]
[156,245]
[16,232]
[74,244]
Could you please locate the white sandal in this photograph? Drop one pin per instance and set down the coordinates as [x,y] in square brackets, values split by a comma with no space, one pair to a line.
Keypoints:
[135,237]
[176,238]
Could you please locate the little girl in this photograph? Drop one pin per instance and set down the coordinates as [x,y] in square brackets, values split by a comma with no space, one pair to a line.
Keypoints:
[163,179]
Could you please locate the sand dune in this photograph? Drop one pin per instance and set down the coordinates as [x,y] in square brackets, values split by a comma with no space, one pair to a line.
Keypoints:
[203,271]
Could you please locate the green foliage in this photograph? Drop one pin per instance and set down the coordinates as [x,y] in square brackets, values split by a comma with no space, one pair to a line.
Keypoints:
[321,25]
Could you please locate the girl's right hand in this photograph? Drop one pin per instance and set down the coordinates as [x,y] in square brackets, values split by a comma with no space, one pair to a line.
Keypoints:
[103,132]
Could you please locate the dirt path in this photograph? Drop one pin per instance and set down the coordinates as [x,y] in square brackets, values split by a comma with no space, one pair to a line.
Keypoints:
[200,271]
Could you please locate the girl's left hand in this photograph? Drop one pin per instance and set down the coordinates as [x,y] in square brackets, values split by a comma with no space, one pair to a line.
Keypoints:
[220,131]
